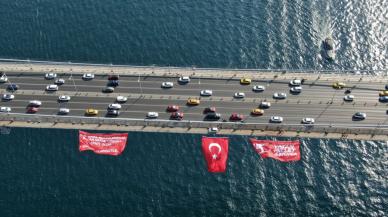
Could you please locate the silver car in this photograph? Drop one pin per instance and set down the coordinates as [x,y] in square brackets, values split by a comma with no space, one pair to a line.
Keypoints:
[88,76]
[167,85]
[52,87]
[295,82]
[121,99]
[297,89]
[63,111]
[206,92]
[258,88]
[5,109]
[276,119]
[64,98]
[265,105]
[239,95]
[8,96]
[279,95]
[36,103]
[348,98]
[152,115]
[359,116]
[114,106]
[50,76]
[184,79]
[308,121]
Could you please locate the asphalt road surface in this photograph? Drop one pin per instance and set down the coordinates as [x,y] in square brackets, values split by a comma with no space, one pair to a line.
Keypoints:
[318,99]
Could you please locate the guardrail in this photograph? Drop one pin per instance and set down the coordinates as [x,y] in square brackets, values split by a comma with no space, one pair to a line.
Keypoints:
[322,128]
[324,71]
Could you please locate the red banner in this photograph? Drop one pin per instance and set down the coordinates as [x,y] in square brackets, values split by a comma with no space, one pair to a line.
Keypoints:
[280,150]
[215,151]
[103,143]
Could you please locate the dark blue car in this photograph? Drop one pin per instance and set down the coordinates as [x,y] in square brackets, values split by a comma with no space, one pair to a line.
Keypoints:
[12,87]
[113,83]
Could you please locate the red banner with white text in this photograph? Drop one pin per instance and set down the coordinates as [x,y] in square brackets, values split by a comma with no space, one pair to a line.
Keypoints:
[280,150]
[215,151]
[103,143]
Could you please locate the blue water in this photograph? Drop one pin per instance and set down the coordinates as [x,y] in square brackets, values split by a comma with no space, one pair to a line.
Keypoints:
[205,33]
[43,174]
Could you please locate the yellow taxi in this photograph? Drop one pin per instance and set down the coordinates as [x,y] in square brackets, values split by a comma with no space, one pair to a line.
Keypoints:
[339,85]
[245,81]
[257,111]
[383,93]
[193,101]
[91,111]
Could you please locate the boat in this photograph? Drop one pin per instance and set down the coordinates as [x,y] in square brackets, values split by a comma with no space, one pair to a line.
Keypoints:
[328,48]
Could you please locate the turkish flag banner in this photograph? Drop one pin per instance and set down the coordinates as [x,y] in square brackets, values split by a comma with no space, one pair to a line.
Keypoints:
[103,143]
[215,151]
[280,150]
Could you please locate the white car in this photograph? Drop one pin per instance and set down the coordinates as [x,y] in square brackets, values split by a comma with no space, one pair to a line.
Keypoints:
[348,98]
[258,88]
[114,106]
[265,105]
[152,115]
[35,103]
[296,82]
[239,95]
[359,115]
[279,95]
[184,79]
[213,130]
[121,99]
[167,85]
[3,79]
[64,111]
[64,98]
[8,96]
[88,76]
[52,87]
[308,121]
[5,109]
[297,89]
[59,81]
[206,92]
[276,119]
[50,76]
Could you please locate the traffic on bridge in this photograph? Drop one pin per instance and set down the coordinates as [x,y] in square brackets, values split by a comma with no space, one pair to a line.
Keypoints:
[297,101]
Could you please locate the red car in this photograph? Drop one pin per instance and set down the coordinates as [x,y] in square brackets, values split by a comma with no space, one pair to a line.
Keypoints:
[113,77]
[236,117]
[210,110]
[32,109]
[172,108]
[177,116]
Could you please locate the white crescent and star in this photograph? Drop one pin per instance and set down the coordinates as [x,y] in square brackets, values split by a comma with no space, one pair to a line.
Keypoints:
[217,146]
[259,147]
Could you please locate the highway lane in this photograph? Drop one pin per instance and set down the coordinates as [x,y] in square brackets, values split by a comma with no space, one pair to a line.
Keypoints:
[137,108]
[193,89]
[101,80]
[312,102]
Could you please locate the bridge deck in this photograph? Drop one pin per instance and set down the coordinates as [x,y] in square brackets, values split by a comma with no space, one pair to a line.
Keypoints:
[318,99]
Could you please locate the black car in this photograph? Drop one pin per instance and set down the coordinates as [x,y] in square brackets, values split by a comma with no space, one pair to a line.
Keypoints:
[113,83]
[108,89]
[386,86]
[113,112]
[113,77]
[12,87]
[212,116]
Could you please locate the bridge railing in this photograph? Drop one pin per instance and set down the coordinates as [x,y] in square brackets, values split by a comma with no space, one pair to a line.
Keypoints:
[193,68]
[280,128]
